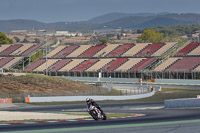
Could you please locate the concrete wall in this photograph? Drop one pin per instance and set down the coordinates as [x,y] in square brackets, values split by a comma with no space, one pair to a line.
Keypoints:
[182,103]
[178,81]
[95,79]
[136,80]
[82,98]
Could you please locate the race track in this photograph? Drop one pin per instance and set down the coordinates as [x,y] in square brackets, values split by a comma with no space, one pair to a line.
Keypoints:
[156,120]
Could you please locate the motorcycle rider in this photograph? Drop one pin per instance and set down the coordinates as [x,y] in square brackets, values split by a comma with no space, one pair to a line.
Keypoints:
[90,102]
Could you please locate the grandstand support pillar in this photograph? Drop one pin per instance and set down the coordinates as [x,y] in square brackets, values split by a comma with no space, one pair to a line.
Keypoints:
[23,65]
[184,74]
[29,59]
[81,74]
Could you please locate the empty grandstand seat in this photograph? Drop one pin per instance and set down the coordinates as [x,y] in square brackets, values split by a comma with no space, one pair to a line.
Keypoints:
[164,49]
[114,64]
[58,65]
[55,51]
[12,62]
[129,64]
[35,65]
[46,65]
[11,49]
[66,51]
[166,64]
[141,65]
[120,50]
[195,52]
[97,66]
[3,47]
[72,64]
[106,50]
[85,64]
[92,50]
[150,49]
[187,49]
[5,60]
[134,50]
[185,64]
[31,49]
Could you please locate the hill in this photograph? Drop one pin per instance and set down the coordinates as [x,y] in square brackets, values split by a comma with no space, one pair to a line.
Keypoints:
[133,22]
[111,21]
[22,24]
[114,16]
[40,85]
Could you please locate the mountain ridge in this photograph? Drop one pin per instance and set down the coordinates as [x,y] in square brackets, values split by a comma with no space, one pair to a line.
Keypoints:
[128,22]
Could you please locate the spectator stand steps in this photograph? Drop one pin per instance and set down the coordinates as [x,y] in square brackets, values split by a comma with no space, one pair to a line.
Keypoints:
[11,49]
[85,64]
[5,60]
[186,64]
[93,50]
[188,48]
[114,64]
[142,64]
[66,51]
[31,49]
[34,65]
[58,65]
[150,49]
[120,50]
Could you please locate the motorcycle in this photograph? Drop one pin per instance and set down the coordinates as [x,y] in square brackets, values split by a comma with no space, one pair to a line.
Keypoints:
[96,113]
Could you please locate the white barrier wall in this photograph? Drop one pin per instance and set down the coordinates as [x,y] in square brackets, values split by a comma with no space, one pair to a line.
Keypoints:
[82,98]
[182,103]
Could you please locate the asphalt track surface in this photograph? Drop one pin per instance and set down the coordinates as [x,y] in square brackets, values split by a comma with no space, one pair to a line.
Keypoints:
[156,117]
[158,120]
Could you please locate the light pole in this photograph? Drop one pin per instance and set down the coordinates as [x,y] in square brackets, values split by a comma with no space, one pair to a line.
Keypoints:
[45,40]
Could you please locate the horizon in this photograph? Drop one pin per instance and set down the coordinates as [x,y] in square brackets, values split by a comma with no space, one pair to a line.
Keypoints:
[94,17]
[50,11]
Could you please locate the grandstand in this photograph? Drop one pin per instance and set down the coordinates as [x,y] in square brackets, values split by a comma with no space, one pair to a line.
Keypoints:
[92,50]
[65,51]
[114,64]
[106,50]
[120,50]
[97,66]
[129,64]
[185,64]
[12,55]
[84,65]
[150,49]
[133,60]
[195,52]
[79,51]
[11,49]
[134,50]
[141,65]
[59,64]
[166,64]
[187,49]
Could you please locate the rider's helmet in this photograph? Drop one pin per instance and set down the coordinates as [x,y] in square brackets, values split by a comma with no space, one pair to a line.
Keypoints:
[88,100]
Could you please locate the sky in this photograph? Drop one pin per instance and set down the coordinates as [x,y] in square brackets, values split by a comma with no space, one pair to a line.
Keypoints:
[81,10]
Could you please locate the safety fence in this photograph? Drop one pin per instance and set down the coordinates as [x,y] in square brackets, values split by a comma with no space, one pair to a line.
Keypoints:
[105,90]
[6,100]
